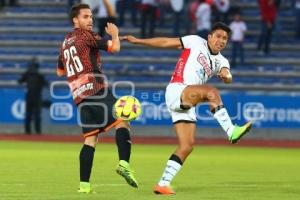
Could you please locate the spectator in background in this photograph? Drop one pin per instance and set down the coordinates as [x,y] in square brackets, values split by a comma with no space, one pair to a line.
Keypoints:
[186,22]
[203,19]
[149,14]
[193,6]
[277,24]
[238,29]
[71,3]
[268,11]
[10,3]
[210,2]
[297,15]
[34,83]
[92,3]
[277,3]
[106,13]
[222,10]
[177,8]
[131,5]
[163,7]
[192,10]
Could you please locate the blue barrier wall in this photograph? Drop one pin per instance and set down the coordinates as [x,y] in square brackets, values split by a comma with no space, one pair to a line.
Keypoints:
[266,110]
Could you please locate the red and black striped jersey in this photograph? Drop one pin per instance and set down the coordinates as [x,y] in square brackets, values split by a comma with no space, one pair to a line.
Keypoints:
[80,62]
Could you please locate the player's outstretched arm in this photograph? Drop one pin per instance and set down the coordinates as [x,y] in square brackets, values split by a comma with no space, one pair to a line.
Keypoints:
[113,31]
[225,75]
[160,42]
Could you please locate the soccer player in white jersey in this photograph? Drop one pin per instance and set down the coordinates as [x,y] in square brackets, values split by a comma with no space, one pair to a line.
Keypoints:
[199,61]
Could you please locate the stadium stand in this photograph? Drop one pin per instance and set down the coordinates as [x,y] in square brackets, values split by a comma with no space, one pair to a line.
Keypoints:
[36,28]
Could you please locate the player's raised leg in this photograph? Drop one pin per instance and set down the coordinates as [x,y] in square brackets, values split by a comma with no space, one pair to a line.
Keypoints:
[185,132]
[194,94]
[123,142]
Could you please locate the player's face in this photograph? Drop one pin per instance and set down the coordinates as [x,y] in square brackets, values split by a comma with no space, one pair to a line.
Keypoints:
[84,20]
[217,40]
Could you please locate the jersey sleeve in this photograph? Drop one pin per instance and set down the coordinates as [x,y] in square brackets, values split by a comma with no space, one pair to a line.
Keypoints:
[224,63]
[190,41]
[60,71]
[95,41]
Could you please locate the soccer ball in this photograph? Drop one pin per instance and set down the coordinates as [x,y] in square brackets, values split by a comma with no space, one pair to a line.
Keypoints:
[128,108]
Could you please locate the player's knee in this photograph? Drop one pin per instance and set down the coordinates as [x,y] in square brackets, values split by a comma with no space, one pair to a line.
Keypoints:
[213,94]
[186,149]
[91,141]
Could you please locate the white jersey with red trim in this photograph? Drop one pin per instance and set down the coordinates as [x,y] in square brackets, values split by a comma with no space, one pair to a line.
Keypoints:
[196,64]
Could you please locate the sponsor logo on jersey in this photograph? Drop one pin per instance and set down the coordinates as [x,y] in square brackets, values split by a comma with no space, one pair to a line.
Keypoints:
[180,67]
[82,89]
[203,61]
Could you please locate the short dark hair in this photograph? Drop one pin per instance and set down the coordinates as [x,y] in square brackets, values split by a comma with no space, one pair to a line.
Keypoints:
[222,26]
[75,10]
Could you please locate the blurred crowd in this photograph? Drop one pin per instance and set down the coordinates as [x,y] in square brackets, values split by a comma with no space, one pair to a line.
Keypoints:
[150,14]
[189,17]
[4,3]
[192,17]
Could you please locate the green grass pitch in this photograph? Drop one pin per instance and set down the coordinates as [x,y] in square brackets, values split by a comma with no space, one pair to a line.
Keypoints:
[42,171]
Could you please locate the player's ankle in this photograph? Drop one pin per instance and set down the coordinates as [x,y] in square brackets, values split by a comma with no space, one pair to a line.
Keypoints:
[230,131]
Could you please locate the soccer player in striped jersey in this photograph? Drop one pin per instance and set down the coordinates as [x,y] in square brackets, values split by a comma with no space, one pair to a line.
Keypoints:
[80,62]
[199,61]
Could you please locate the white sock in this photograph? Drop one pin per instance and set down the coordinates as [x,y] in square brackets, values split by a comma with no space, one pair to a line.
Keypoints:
[224,120]
[170,171]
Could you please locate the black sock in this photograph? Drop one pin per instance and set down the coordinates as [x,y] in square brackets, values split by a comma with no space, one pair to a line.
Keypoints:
[86,158]
[123,143]
[214,110]
[175,158]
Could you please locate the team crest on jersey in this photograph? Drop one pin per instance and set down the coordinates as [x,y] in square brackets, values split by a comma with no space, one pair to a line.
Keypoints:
[203,61]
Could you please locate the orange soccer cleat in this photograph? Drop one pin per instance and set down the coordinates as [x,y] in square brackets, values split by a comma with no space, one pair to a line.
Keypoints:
[164,190]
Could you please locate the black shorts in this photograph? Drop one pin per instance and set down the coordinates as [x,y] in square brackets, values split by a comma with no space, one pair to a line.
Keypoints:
[96,113]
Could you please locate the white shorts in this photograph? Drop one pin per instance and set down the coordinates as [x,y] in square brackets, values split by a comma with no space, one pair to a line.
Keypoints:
[173,101]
